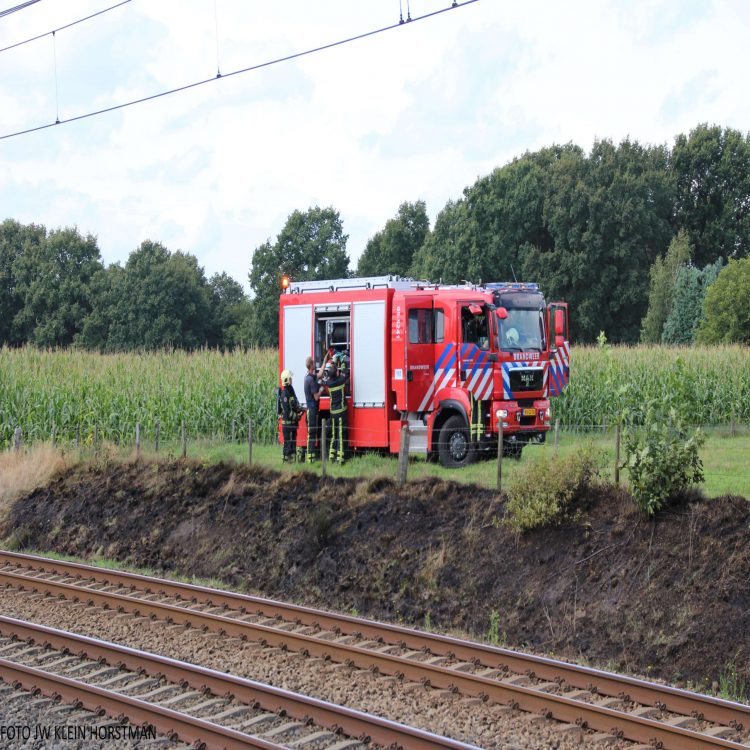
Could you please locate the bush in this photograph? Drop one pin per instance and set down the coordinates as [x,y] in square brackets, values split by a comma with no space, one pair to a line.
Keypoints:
[727,306]
[663,460]
[542,494]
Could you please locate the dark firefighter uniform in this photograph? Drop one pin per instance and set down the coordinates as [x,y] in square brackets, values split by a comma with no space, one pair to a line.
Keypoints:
[337,383]
[312,387]
[290,414]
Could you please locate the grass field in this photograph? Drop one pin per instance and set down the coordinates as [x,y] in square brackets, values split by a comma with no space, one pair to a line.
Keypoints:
[725,461]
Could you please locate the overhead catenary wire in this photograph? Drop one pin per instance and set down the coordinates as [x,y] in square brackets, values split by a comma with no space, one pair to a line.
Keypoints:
[16,8]
[66,26]
[239,71]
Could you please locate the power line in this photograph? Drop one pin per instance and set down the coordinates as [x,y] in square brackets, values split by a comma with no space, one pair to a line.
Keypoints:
[67,26]
[240,71]
[16,8]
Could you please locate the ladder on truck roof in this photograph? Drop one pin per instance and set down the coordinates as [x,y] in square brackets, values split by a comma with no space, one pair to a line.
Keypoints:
[393,281]
[363,282]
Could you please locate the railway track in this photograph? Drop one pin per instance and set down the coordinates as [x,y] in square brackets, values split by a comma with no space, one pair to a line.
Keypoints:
[621,706]
[189,702]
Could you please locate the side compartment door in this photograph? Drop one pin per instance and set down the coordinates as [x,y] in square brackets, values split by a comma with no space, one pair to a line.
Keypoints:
[420,352]
[297,342]
[559,356]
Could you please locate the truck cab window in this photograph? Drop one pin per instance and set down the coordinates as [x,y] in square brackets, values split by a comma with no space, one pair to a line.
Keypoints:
[420,326]
[439,326]
[474,328]
[522,330]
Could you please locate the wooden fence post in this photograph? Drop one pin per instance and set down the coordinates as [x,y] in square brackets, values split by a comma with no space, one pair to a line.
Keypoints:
[734,425]
[157,427]
[500,455]
[617,454]
[78,435]
[17,439]
[183,435]
[250,442]
[137,439]
[557,433]
[403,455]
[234,430]
[324,448]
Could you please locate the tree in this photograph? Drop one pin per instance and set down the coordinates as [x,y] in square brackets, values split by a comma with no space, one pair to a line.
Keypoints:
[311,245]
[727,306]
[711,170]
[485,234]
[688,295]
[663,276]
[391,251]
[159,299]
[608,217]
[15,239]
[229,306]
[444,255]
[53,281]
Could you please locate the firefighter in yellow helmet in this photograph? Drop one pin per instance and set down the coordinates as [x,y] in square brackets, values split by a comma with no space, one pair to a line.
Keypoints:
[290,415]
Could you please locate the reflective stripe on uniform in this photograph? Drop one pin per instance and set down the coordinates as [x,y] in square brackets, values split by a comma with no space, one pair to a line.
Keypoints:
[336,389]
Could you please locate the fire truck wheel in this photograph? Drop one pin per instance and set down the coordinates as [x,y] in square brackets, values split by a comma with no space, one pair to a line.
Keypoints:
[454,446]
[513,450]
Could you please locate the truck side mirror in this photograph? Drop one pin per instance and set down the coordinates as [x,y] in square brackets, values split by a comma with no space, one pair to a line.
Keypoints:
[559,323]
[501,313]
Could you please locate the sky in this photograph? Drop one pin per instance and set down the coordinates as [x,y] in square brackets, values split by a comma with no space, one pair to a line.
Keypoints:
[415,113]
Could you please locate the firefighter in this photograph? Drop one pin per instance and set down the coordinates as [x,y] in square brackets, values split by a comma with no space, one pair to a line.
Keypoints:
[290,414]
[312,397]
[337,382]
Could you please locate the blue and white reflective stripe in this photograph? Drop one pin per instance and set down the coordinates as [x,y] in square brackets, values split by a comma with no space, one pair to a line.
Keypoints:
[442,371]
[559,364]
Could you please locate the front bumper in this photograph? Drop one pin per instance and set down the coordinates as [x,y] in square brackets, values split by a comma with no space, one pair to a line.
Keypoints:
[520,420]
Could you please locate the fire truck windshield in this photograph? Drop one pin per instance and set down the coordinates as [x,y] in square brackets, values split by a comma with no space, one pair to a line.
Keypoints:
[522,331]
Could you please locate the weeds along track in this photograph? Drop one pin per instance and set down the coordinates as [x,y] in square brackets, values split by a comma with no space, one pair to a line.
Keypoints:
[617,705]
[189,702]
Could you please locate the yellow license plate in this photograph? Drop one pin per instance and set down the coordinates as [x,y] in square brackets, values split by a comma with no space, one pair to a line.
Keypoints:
[529,412]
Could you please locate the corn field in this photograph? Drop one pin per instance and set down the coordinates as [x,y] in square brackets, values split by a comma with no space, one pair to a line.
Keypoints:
[706,385]
[70,393]
[73,393]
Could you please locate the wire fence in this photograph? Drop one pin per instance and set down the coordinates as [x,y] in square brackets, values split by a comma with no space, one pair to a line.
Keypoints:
[725,453]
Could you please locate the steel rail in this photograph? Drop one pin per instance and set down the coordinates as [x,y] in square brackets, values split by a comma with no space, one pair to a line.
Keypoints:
[301,707]
[166,720]
[527,698]
[675,700]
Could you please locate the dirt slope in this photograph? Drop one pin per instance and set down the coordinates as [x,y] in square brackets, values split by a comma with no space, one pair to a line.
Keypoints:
[669,597]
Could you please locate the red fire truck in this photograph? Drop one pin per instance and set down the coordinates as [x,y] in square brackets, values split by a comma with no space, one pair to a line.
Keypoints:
[451,362]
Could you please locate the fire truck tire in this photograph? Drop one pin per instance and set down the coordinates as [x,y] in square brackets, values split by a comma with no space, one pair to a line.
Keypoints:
[513,450]
[455,448]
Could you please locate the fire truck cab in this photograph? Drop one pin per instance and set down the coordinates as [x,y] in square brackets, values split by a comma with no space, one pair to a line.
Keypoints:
[454,363]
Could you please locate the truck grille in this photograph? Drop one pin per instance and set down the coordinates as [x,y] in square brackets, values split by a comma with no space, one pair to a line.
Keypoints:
[526,379]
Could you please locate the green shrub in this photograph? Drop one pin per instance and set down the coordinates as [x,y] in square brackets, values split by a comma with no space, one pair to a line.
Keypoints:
[542,494]
[662,459]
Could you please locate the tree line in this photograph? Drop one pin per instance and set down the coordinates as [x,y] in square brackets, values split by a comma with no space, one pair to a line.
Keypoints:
[646,243]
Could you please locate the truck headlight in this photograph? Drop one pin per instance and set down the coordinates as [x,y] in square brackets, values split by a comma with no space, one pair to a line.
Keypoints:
[501,413]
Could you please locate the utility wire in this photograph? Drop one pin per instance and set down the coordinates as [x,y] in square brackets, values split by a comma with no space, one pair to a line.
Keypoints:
[67,26]
[16,8]
[248,69]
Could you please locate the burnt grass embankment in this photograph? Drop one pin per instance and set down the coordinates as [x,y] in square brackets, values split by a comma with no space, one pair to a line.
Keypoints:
[668,598]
